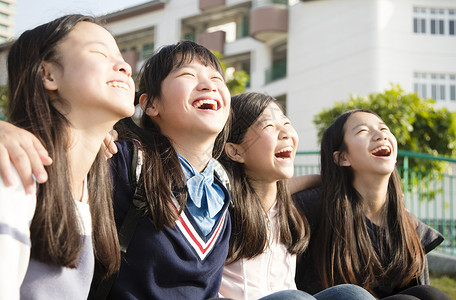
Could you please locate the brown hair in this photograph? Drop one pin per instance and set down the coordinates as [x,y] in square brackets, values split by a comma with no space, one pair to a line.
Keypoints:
[53,226]
[341,246]
[246,211]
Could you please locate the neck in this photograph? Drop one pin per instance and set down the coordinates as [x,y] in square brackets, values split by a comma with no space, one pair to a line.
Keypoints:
[267,191]
[85,144]
[197,152]
[373,192]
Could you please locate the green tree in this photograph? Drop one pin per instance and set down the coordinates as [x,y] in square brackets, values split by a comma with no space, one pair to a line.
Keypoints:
[3,102]
[238,82]
[417,124]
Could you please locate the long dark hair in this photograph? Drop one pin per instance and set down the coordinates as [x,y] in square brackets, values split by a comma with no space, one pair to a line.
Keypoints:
[162,175]
[341,246]
[53,226]
[249,232]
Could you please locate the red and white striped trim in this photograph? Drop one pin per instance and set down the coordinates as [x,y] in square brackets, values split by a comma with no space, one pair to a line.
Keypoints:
[201,247]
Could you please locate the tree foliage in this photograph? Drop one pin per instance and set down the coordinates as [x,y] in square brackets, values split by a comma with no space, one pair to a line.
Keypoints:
[417,124]
[237,83]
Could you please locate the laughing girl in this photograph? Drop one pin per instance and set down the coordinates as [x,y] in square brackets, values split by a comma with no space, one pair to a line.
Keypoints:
[53,241]
[267,230]
[363,233]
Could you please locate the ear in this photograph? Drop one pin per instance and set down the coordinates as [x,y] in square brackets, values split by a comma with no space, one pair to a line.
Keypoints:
[340,158]
[150,109]
[49,76]
[234,152]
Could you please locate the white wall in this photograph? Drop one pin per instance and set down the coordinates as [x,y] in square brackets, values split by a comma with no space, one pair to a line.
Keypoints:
[332,52]
[360,47]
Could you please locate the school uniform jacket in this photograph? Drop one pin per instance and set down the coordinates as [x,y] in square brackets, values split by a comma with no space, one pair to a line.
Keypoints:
[307,278]
[175,263]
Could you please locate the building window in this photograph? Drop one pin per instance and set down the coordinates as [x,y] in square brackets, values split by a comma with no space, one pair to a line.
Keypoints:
[453,88]
[419,20]
[442,87]
[147,51]
[434,21]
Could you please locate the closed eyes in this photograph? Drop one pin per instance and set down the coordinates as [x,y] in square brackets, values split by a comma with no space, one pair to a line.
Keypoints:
[101,53]
[218,78]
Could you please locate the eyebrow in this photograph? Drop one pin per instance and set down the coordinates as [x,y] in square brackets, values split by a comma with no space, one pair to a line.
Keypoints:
[267,118]
[89,43]
[364,124]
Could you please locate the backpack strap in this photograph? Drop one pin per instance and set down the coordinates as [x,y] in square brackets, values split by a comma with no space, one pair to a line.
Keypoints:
[137,204]
[135,211]
[222,175]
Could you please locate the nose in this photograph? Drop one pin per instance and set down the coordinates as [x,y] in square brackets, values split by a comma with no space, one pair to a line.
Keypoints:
[206,84]
[124,67]
[380,135]
[286,132]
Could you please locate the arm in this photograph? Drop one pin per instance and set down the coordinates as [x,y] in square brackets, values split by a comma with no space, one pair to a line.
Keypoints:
[26,153]
[15,219]
[299,183]
[22,149]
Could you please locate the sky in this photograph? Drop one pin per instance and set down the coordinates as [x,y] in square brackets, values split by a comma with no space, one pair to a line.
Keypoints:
[31,13]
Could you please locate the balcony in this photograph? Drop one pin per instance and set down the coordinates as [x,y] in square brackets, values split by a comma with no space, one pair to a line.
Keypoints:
[206,4]
[212,40]
[269,22]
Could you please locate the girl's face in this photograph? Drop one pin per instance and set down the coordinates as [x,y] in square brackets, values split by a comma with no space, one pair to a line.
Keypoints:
[194,101]
[269,146]
[371,147]
[91,76]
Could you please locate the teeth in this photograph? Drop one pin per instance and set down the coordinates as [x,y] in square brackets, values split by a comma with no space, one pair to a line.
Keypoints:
[287,149]
[206,104]
[119,84]
[381,148]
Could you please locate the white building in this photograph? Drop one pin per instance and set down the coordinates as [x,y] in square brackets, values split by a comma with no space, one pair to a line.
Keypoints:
[309,54]
[7,12]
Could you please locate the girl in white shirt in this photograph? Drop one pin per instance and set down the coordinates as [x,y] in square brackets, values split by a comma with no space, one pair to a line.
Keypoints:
[68,84]
[267,230]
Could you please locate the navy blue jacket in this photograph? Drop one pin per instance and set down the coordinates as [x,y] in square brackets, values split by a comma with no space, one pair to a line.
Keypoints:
[175,263]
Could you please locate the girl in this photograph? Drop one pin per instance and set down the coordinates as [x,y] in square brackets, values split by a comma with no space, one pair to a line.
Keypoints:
[267,230]
[180,244]
[363,233]
[47,67]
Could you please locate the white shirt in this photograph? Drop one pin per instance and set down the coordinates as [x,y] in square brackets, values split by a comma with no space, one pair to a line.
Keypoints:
[270,272]
[16,213]
[46,281]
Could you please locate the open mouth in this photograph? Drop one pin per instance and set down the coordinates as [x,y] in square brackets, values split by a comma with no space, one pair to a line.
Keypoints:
[383,151]
[206,104]
[284,153]
[119,84]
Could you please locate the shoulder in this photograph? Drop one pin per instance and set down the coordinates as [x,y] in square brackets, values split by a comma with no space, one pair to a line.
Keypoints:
[309,204]
[430,238]
[15,194]
[124,149]
[307,200]
[16,208]
[121,161]
[121,174]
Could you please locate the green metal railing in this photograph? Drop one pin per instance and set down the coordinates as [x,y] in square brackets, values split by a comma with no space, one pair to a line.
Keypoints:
[430,196]
[278,70]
